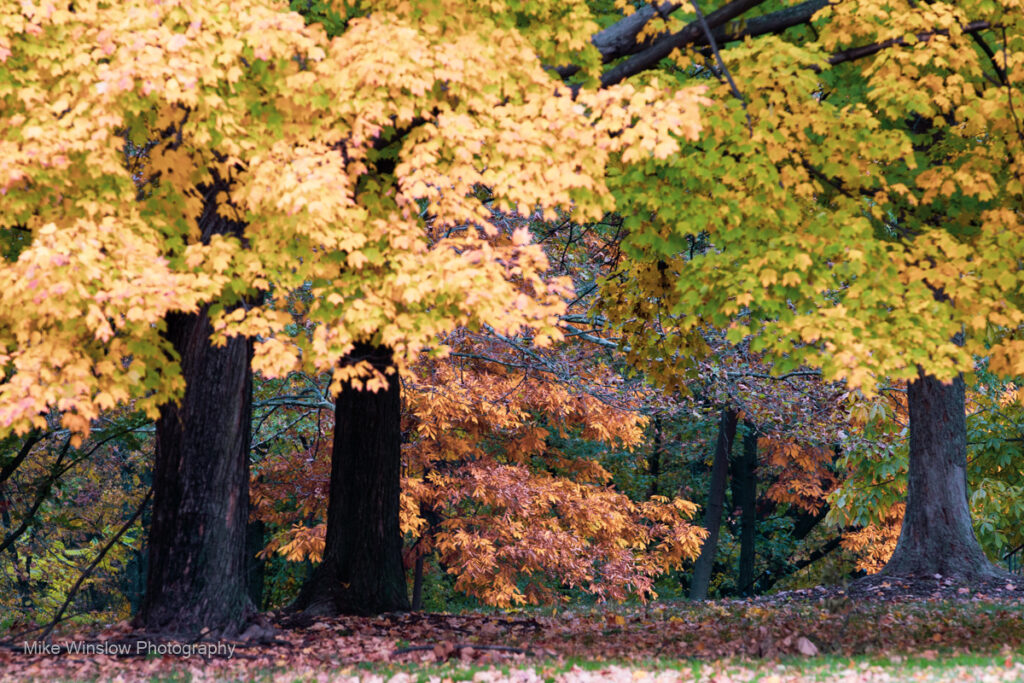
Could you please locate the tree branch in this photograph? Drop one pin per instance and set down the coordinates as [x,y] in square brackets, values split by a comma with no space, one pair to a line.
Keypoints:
[34,437]
[721,64]
[775,22]
[688,35]
[41,493]
[761,375]
[874,48]
[620,39]
[95,562]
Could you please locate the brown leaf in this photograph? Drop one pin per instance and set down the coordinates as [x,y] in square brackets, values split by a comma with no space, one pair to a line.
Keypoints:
[443,650]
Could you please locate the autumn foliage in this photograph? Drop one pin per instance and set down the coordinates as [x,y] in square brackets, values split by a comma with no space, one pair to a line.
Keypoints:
[488,492]
[558,238]
[302,133]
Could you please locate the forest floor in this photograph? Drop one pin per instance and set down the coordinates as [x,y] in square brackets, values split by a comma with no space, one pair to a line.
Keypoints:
[933,630]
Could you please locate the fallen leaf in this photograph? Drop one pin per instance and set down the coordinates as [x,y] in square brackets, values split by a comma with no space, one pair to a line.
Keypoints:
[806,647]
[443,650]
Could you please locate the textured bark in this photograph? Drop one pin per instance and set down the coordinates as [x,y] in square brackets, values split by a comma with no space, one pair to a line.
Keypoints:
[774,22]
[937,536]
[201,503]
[196,573]
[688,35]
[716,499]
[621,38]
[744,498]
[362,572]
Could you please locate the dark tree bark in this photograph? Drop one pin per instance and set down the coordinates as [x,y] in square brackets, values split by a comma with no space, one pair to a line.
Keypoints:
[417,583]
[422,550]
[688,35]
[197,563]
[937,536]
[255,568]
[744,498]
[362,570]
[201,503]
[716,499]
[654,459]
[621,38]
[12,462]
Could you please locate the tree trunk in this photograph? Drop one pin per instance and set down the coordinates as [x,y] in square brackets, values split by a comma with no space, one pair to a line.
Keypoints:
[744,497]
[654,459]
[937,536]
[361,572]
[201,499]
[713,512]
[196,576]
[255,568]
[417,583]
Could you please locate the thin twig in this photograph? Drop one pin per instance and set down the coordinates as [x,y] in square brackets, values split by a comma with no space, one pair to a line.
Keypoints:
[1009,91]
[41,493]
[721,64]
[9,641]
[95,562]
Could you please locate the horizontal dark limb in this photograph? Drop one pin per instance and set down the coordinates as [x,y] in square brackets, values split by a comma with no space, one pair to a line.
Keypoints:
[688,35]
[874,48]
[621,39]
[456,647]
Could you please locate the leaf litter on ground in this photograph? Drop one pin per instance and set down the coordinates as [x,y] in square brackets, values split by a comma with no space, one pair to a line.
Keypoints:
[875,631]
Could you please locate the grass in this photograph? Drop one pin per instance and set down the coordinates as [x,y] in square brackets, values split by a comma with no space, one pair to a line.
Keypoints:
[931,668]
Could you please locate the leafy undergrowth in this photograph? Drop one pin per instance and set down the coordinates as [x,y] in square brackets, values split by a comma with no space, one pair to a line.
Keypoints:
[805,635]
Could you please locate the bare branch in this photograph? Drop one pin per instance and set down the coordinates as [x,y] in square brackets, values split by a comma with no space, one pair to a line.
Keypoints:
[95,562]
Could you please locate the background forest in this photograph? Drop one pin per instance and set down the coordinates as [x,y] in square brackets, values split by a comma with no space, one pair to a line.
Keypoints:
[656,335]
[524,469]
